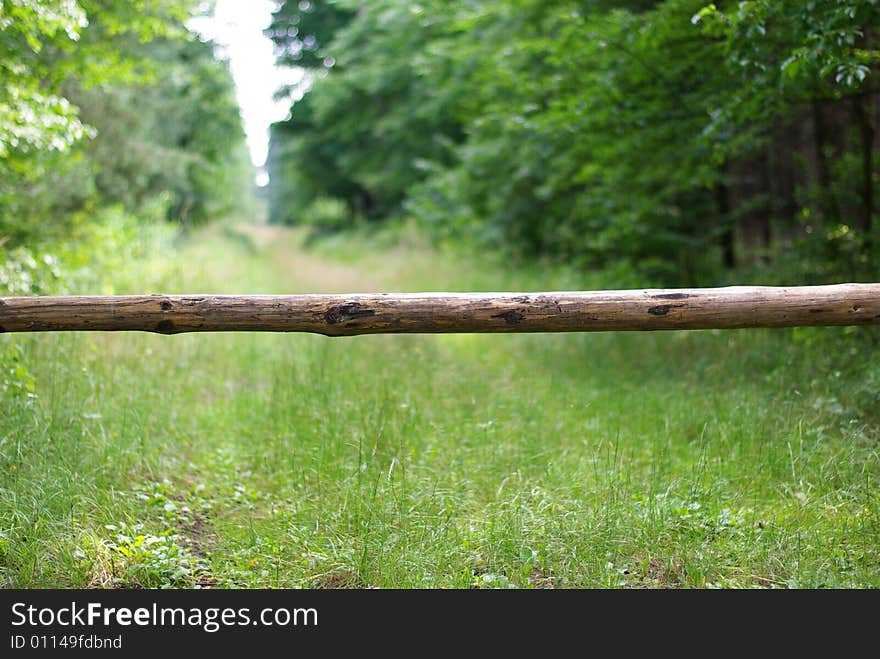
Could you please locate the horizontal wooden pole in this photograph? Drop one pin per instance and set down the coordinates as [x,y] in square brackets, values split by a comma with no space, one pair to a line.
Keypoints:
[392,313]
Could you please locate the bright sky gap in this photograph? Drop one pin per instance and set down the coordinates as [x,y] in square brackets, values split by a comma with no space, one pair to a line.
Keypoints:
[237,28]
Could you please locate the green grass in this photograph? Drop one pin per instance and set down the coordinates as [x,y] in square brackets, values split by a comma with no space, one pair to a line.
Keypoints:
[680,459]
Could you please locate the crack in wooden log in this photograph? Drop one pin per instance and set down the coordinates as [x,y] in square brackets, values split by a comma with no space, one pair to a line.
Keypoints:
[671,296]
[344,312]
[663,309]
[513,316]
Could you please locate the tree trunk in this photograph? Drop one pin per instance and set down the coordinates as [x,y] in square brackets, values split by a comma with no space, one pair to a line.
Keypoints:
[828,200]
[765,213]
[728,235]
[863,116]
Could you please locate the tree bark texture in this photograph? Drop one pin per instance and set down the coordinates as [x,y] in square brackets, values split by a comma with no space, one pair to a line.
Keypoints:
[408,313]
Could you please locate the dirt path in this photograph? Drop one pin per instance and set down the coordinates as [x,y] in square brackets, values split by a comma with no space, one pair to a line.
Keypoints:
[307,271]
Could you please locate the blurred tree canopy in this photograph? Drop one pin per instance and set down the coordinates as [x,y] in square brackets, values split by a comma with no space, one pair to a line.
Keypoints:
[666,141]
[112,104]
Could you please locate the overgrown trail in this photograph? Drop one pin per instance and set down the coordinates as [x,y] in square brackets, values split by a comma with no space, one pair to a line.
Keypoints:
[303,271]
[744,458]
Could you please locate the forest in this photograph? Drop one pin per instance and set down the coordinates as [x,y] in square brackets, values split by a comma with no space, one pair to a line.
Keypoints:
[113,115]
[498,145]
[663,142]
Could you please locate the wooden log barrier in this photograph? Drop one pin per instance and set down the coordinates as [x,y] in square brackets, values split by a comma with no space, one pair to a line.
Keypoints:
[393,313]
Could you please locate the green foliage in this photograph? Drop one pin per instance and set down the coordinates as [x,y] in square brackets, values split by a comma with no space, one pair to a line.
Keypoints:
[368,157]
[301,31]
[113,104]
[782,53]
[144,560]
[304,143]
[32,118]
[179,135]
[788,41]
[327,214]
[670,139]
[24,273]
[18,386]
[107,240]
